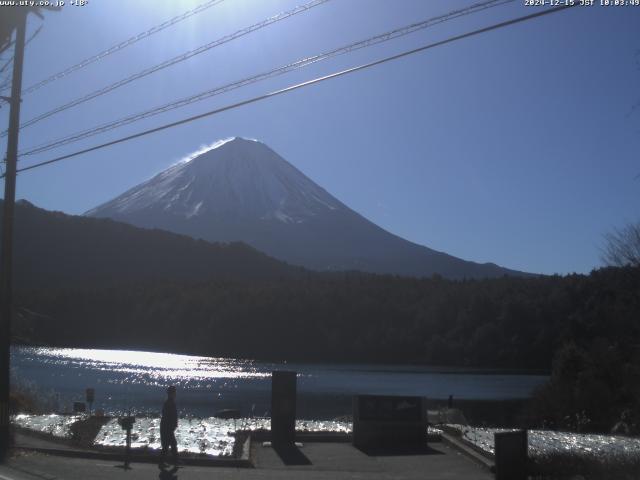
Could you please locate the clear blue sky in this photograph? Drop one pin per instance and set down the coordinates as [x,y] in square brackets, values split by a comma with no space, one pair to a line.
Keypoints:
[517,147]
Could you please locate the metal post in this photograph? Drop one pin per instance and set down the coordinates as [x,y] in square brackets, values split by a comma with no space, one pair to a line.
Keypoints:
[127,451]
[6,254]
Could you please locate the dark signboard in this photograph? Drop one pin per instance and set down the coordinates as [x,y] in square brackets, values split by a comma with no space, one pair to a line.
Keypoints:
[381,421]
[384,408]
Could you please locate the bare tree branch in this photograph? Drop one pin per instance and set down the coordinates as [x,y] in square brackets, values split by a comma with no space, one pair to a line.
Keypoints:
[623,246]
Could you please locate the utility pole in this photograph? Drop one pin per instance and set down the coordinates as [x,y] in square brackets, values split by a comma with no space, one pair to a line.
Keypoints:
[6,254]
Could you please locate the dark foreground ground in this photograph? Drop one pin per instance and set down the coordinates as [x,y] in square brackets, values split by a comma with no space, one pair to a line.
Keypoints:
[326,460]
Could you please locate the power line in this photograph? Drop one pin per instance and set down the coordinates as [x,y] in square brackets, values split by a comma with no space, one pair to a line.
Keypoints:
[26,43]
[120,46]
[175,60]
[7,84]
[301,85]
[33,35]
[380,38]
[6,64]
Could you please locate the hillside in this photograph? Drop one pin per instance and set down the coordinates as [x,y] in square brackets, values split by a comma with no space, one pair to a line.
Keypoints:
[55,249]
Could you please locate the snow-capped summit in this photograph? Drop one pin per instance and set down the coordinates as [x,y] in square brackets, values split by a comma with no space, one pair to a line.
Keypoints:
[236,176]
[240,189]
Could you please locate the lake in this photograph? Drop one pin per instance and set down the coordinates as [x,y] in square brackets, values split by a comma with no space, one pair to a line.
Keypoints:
[136,381]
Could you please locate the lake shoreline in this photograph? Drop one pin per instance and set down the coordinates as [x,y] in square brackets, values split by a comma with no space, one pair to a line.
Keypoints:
[136,381]
[410,367]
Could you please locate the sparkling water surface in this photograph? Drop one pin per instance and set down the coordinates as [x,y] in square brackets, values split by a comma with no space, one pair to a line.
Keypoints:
[209,436]
[136,381]
[133,381]
[576,452]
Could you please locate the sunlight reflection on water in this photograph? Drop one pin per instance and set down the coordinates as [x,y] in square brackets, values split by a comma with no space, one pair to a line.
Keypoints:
[210,436]
[133,381]
[54,424]
[574,451]
[146,366]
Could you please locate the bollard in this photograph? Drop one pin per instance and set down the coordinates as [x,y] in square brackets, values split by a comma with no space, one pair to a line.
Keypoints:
[90,396]
[283,407]
[127,424]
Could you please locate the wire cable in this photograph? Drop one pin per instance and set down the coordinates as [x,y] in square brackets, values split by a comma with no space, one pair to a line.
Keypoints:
[10,61]
[119,46]
[6,64]
[383,37]
[300,85]
[173,61]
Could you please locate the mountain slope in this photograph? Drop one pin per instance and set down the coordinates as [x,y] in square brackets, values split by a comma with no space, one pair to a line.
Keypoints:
[241,190]
[52,249]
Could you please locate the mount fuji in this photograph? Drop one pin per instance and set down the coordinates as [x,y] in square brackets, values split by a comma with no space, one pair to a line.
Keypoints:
[241,190]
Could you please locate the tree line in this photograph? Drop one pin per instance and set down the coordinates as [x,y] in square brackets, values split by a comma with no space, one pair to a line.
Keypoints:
[515,323]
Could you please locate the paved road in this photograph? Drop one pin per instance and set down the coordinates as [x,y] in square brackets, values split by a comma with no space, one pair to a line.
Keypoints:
[319,461]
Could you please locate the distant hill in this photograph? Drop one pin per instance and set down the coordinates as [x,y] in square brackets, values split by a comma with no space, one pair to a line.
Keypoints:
[55,249]
[241,190]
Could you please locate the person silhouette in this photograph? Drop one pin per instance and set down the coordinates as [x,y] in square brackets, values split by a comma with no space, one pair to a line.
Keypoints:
[168,425]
